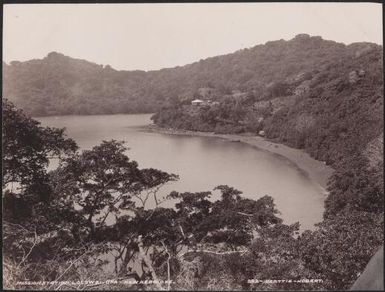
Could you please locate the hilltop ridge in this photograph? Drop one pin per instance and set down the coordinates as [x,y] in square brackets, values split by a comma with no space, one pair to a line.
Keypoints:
[59,85]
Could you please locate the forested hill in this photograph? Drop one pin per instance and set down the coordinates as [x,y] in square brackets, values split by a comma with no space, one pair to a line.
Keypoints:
[308,93]
[58,84]
[320,96]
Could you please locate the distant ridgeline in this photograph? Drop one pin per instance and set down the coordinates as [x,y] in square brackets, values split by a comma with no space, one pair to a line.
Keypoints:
[58,85]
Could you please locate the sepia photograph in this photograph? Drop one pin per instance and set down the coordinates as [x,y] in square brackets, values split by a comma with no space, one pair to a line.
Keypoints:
[225,146]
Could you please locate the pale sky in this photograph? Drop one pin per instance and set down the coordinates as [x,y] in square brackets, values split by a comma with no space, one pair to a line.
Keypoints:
[154,36]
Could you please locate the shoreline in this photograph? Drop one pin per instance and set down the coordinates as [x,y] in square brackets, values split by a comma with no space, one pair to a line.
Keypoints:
[316,170]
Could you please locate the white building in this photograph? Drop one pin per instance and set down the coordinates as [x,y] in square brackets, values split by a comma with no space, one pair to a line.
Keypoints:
[197,102]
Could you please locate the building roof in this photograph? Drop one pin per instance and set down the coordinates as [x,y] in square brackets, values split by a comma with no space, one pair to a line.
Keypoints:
[197,100]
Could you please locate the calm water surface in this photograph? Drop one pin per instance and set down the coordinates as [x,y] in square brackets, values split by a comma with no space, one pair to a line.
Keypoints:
[203,163]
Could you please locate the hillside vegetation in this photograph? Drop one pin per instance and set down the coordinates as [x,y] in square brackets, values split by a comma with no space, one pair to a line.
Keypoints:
[56,231]
[59,84]
[321,96]
[317,95]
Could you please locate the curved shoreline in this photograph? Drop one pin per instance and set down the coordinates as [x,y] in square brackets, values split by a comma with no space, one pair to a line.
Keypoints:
[316,170]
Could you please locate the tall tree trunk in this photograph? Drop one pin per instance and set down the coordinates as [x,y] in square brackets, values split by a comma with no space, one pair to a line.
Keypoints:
[91,225]
[126,260]
[148,263]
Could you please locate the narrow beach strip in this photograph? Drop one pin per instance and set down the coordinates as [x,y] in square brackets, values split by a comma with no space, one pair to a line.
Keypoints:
[317,171]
